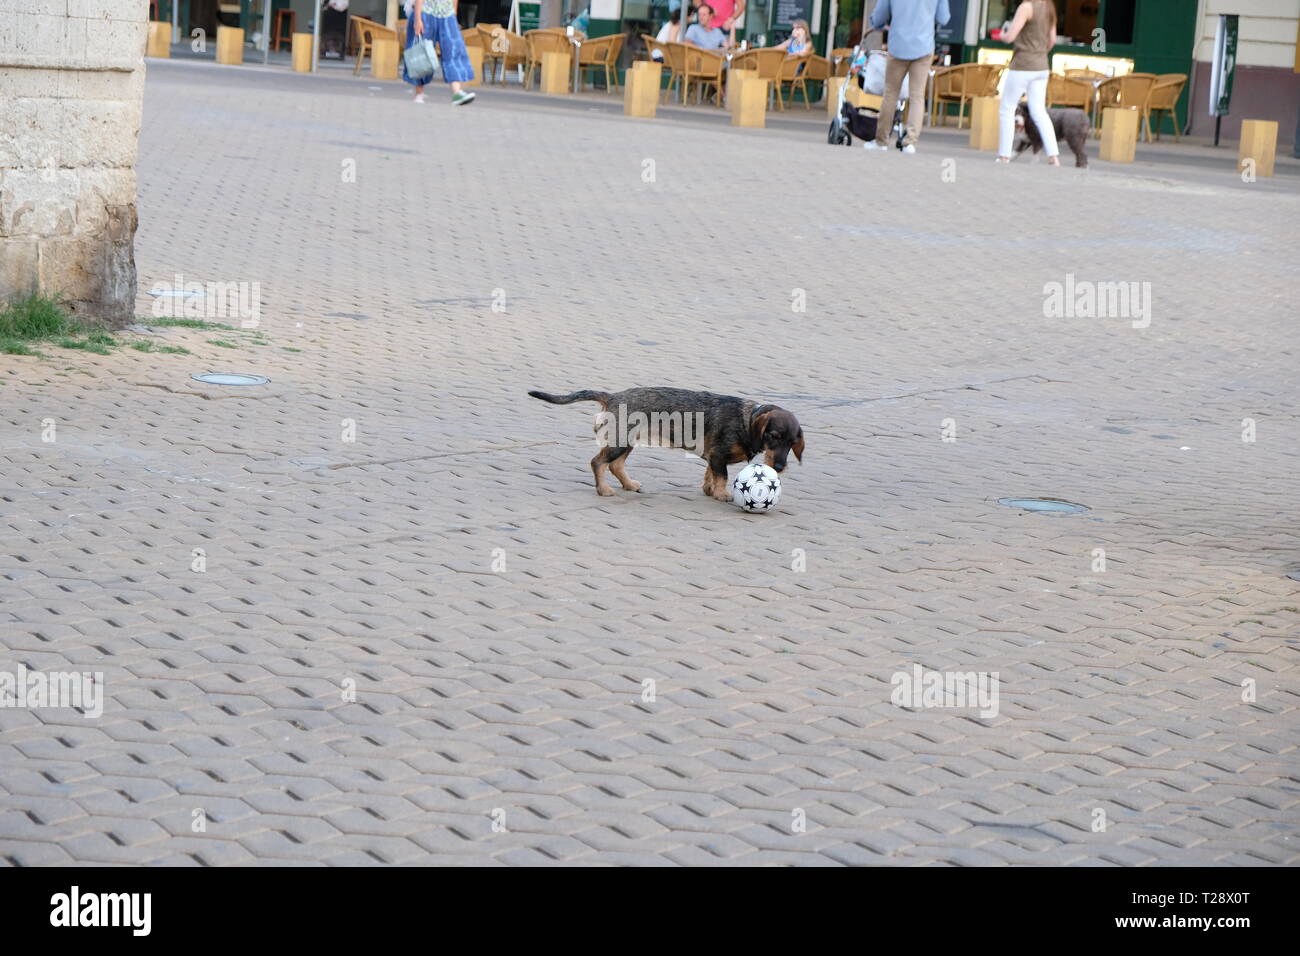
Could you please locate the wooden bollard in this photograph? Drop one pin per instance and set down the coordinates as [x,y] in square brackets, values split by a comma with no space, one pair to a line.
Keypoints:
[734,79]
[384,53]
[160,40]
[984,123]
[1119,132]
[476,61]
[230,45]
[302,52]
[748,102]
[555,72]
[833,94]
[641,90]
[1258,147]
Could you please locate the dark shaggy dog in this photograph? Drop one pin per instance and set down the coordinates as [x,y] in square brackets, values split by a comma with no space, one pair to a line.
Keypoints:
[721,429]
[1072,129]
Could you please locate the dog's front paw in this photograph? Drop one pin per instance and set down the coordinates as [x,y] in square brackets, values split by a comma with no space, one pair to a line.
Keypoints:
[632,486]
[605,491]
[721,492]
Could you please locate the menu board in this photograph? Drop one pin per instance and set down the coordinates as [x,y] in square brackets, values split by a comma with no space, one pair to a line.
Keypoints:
[530,16]
[954,31]
[788,11]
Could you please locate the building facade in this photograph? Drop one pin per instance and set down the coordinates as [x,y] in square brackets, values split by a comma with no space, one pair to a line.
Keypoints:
[70,94]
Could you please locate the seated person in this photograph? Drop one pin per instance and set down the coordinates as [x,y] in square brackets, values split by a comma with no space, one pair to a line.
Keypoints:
[799,42]
[670,32]
[708,37]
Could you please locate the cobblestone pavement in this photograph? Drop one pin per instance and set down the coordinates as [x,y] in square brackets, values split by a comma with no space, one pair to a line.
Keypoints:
[234,566]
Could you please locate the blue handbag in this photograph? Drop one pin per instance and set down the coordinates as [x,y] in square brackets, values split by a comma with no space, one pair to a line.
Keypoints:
[420,59]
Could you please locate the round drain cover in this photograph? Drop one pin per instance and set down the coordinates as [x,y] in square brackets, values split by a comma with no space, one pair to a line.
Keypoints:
[230,378]
[1053,505]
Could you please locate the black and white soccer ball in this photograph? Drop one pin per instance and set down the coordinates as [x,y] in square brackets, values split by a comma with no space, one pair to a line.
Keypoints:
[756,488]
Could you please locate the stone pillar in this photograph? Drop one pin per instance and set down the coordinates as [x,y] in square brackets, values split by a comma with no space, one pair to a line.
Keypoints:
[71,80]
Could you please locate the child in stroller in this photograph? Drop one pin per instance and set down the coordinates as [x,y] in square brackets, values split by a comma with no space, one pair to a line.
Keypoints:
[867,70]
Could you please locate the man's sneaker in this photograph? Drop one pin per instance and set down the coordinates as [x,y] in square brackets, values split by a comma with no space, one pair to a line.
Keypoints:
[872,144]
[460,99]
[419,98]
[909,148]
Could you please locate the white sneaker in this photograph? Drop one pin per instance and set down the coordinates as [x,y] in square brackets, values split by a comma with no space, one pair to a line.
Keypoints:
[872,144]
[909,148]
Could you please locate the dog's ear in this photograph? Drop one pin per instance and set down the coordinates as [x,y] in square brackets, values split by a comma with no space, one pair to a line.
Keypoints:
[797,447]
[756,429]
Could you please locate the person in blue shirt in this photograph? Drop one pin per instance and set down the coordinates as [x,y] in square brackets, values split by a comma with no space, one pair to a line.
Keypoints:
[911,49]
[705,35]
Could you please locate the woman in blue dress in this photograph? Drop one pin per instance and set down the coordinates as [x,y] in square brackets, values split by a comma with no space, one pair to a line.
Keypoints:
[436,20]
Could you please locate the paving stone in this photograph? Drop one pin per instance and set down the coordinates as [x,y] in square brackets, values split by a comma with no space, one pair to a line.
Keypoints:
[371,561]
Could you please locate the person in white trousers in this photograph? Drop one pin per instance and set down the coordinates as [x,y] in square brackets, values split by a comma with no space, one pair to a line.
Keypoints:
[1032,34]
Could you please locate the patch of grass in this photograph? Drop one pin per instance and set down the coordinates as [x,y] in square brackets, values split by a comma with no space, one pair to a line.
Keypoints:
[9,346]
[185,324]
[86,345]
[289,348]
[35,318]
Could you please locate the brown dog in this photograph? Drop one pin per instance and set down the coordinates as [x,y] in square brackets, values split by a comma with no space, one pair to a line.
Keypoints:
[721,429]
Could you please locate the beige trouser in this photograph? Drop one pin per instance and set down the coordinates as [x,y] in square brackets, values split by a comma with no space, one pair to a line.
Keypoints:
[918,73]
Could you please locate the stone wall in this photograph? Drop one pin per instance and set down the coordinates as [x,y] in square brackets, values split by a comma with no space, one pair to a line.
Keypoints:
[71,80]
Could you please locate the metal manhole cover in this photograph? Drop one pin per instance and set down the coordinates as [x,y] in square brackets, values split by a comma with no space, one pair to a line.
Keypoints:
[230,378]
[1051,505]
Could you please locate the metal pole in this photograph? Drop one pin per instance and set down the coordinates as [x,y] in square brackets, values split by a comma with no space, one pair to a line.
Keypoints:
[266,32]
[315,37]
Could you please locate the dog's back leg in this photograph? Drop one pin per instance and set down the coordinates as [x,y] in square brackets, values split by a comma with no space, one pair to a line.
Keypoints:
[601,464]
[618,466]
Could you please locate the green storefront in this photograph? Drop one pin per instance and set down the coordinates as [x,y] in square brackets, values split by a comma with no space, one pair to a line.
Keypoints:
[765,20]
[1156,36]
[1153,36]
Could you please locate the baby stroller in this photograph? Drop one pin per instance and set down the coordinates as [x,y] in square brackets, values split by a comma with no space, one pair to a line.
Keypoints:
[860,121]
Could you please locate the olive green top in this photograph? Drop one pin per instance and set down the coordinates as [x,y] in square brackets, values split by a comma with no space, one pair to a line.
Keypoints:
[1035,40]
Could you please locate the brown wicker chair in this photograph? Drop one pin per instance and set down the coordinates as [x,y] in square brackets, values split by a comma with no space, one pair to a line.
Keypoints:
[1130,90]
[960,84]
[601,53]
[675,55]
[1163,98]
[1067,91]
[767,61]
[703,68]
[651,45]
[367,32]
[792,77]
[541,42]
[501,48]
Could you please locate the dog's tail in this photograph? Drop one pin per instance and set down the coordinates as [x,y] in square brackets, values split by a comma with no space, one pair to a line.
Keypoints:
[586,395]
